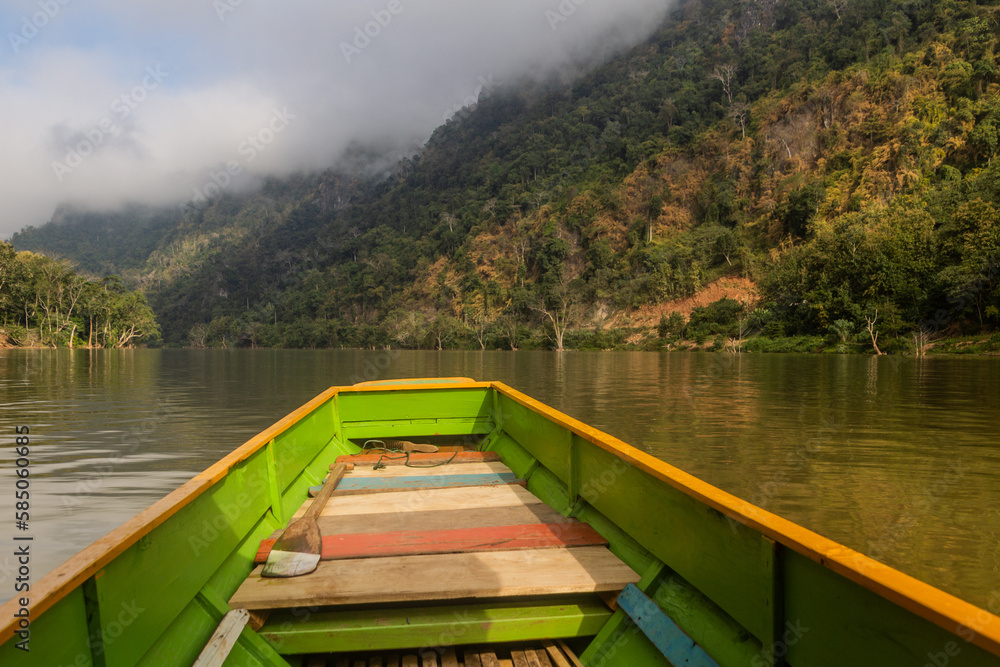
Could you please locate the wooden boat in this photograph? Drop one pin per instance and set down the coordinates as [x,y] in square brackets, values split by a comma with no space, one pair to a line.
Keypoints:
[543,541]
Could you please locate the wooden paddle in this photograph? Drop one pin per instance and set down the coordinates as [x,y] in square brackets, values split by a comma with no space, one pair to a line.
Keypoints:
[299,548]
[408,446]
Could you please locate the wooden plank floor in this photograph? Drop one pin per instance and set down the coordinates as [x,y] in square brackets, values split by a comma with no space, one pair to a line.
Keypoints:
[451,540]
[369,577]
[437,577]
[426,500]
[365,479]
[365,485]
[477,517]
[547,654]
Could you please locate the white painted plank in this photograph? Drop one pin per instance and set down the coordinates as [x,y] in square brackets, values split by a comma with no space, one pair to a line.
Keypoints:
[479,517]
[426,500]
[222,642]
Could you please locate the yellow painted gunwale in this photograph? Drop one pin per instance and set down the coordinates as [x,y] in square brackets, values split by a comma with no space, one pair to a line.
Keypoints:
[922,599]
[423,382]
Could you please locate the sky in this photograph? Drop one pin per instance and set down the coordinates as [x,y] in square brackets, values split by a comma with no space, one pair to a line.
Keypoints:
[106,102]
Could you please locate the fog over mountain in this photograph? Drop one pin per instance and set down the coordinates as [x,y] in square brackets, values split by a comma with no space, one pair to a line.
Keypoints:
[108,101]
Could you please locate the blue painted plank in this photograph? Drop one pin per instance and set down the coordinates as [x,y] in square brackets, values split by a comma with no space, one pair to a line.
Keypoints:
[676,646]
[421,482]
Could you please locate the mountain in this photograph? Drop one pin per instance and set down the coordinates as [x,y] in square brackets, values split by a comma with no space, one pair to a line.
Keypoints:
[833,162]
[102,243]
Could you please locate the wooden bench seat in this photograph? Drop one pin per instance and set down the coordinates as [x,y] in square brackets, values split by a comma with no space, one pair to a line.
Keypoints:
[452,540]
[489,561]
[458,576]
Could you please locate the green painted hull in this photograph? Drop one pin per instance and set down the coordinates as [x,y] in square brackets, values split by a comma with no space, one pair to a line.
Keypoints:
[748,587]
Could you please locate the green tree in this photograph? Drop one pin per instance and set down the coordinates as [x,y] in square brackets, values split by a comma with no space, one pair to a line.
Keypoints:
[117,317]
[974,281]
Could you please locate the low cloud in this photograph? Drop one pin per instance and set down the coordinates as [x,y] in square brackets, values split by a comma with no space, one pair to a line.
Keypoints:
[108,101]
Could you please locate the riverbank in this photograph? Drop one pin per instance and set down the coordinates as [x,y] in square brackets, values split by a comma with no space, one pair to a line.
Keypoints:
[633,339]
[31,341]
[986,346]
[630,340]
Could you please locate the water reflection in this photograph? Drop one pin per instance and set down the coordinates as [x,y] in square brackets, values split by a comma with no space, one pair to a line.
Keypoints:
[898,458]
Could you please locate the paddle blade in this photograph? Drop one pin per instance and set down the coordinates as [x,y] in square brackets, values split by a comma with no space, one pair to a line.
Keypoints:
[415,447]
[289,564]
[296,552]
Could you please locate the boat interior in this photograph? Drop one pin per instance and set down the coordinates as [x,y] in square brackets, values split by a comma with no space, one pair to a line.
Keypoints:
[438,559]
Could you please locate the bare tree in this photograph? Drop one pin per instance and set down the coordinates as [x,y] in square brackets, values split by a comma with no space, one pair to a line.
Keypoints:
[57,296]
[521,246]
[482,320]
[559,316]
[870,325]
[489,208]
[442,329]
[407,328]
[919,342]
[743,329]
[127,335]
[450,219]
[480,327]
[563,310]
[654,211]
[668,112]
[198,335]
[738,113]
[923,337]
[251,331]
[839,6]
[725,73]
[507,323]
[787,147]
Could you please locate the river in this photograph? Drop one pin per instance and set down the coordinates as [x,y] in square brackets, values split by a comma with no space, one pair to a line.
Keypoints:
[896,457]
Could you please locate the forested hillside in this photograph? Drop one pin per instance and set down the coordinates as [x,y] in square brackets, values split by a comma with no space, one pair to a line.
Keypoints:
[834,158]
[102,243]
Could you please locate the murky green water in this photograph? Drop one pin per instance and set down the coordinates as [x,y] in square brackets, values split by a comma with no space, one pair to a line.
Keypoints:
[899,458]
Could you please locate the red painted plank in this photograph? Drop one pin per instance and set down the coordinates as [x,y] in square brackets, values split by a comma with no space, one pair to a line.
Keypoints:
[397,459]
[412,543]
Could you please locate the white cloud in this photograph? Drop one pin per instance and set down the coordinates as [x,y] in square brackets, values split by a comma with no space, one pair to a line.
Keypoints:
[85,84]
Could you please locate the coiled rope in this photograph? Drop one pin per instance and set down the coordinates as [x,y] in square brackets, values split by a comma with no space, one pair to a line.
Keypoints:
[395,454]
